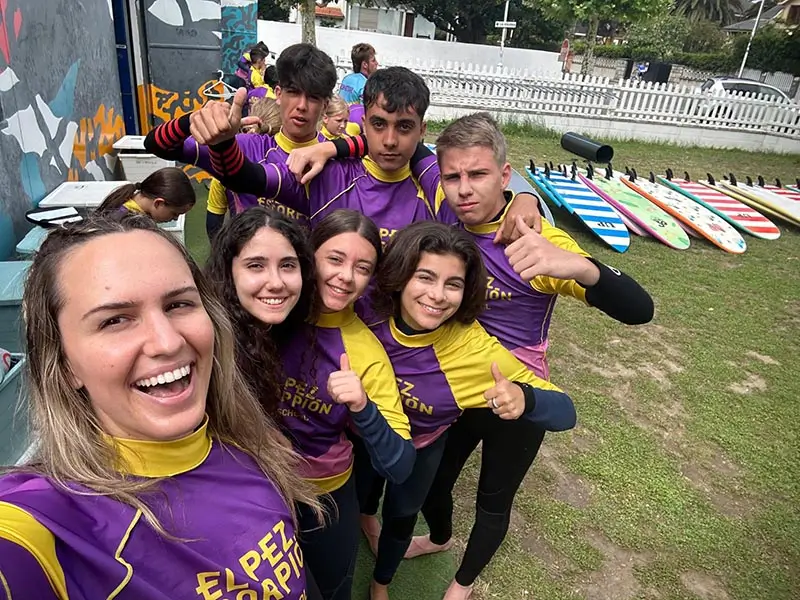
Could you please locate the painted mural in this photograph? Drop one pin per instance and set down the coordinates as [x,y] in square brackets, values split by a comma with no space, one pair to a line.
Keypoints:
[59,99]
[183,56]
[239,19]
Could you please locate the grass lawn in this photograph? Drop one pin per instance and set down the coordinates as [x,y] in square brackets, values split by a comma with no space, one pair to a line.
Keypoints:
[681,480]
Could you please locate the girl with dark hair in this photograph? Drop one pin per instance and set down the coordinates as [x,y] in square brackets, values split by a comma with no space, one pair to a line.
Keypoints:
[335,372]
[163,196]
[263,267]
[434,286]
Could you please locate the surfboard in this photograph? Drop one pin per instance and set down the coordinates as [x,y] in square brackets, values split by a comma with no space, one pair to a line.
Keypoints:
[691,214]
[736,213]
[789,210]
[779,189]
[518,185]
[641,211]
[588,207]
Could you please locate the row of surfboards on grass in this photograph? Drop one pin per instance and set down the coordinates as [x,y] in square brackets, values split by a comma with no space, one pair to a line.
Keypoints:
[613,204]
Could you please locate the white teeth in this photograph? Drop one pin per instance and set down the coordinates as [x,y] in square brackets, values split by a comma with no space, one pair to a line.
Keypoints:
[166,377]
[339,290]
[431,309]
[272,301]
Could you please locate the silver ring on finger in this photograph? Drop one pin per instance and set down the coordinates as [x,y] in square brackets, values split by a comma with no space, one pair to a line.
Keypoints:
[494,403]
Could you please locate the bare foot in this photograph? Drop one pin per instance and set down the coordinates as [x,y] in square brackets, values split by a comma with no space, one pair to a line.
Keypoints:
[378,591]
[371,528]
[457,591]
[422,544]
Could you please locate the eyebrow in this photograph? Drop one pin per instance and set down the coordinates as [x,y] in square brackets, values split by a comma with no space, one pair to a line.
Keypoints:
[125,305]
[266,259]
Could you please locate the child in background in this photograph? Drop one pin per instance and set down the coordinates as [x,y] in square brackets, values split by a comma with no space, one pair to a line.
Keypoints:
[335,120]
[163,196]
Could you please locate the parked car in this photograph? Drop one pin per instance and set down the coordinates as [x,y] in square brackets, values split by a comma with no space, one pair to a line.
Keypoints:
[732,85]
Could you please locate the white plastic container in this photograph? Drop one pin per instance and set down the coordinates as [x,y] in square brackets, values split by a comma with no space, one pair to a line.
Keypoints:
[135,162]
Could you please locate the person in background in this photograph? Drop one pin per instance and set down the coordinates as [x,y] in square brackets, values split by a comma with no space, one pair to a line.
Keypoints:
[525,280]
[163,196]
[252,66]
[156,473]
[364,65]
[335,120]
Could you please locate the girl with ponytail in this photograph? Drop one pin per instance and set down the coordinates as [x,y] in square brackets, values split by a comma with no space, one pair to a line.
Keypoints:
[163,196]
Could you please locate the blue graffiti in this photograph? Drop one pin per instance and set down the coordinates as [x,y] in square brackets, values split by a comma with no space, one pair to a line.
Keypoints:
[238,28]
[64,102]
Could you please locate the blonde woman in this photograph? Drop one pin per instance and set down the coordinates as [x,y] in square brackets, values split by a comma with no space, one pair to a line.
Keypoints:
[335,121]
[157,474]
[269,113]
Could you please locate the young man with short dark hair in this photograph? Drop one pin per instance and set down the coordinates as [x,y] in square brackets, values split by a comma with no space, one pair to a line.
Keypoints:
[364,65]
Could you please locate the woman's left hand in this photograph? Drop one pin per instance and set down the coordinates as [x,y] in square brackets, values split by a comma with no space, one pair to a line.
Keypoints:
[505,398]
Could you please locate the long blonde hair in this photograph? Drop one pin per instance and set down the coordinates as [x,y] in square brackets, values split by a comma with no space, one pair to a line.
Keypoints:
[72,448]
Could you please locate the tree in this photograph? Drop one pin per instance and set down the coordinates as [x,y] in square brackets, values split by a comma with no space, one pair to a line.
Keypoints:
[537,28]
[716,11]
[308,17]
[272,10]
[658,39]
[594,11]
[704,37]
[469,20]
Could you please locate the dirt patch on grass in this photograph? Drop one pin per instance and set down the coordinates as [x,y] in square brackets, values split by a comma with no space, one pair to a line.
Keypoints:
[554,562]
[724,494]
[753,383]
[767,360]
[615,580]
[704,586]
[647,350]
[568,488]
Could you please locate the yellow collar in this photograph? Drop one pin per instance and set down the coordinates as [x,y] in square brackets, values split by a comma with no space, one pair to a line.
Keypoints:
[287,145]
[337,319]
[419,340]
[133,206]
[163,459]
[385,176]
[493,226]
[328,135]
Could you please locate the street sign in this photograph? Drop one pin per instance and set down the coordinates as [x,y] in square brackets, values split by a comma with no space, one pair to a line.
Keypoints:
[505,24]
[564,51]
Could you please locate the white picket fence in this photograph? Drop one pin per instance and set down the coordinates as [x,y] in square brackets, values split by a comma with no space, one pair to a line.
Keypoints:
[519,95]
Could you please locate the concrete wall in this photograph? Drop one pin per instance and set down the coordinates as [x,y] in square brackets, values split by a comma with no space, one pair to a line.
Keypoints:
[392,49]
[60,99]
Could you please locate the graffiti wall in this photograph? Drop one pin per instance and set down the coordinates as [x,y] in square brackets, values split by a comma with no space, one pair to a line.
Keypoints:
[60,106]
[183,55]
[239,24]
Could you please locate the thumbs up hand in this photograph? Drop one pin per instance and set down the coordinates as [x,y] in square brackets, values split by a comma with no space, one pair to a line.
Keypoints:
[505,398]
[345,387]
[526,207]
[217,122]
[533,255]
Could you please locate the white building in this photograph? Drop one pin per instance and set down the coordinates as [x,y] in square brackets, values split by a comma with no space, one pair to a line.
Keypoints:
[378,18]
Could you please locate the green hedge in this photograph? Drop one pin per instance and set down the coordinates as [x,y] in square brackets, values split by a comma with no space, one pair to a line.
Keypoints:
[718,61]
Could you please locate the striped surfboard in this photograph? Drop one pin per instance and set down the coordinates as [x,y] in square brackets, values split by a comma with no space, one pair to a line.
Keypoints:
[692,214]
[732,210]
[588,207]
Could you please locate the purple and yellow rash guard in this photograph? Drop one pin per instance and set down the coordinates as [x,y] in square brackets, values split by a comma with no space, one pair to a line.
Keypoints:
[392,200]
[131,206]
[309,416]
[446,371]
[237,531]
[518,311]
[259,148]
